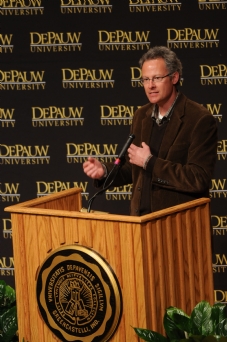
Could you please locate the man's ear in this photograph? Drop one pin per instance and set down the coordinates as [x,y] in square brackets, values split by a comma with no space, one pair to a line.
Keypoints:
[175,77]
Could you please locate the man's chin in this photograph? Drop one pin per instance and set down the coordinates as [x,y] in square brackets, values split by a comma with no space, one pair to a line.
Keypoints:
[153,99]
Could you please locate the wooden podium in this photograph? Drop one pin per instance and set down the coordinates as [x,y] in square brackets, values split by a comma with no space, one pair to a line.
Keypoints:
[160,259]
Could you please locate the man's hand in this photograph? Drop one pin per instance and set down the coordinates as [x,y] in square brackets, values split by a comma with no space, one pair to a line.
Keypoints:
[93,168]
[138,155]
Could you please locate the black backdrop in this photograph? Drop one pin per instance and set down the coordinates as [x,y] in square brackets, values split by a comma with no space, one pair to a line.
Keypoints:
[69,87]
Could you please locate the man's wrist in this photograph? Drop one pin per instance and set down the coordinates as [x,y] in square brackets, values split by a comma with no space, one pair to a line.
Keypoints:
[147,161]
[105,171]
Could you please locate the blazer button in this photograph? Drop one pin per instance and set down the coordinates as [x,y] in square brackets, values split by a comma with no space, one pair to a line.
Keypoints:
[139,188]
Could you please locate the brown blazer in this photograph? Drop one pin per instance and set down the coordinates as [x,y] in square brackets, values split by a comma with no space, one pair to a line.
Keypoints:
[183,169]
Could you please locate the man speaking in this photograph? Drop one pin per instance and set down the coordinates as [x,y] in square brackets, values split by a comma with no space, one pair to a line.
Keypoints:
[172,158]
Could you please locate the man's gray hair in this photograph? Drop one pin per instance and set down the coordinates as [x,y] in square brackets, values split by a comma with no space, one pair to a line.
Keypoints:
[173,64]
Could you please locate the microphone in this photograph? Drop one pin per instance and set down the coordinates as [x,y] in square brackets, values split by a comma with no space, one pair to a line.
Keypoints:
[117,164]
[118,161]
[124,149]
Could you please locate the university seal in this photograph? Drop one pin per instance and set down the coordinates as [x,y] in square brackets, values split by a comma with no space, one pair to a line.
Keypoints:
[78,295]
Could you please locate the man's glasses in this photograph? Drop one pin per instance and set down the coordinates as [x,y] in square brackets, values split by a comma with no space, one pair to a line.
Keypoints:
[155,79]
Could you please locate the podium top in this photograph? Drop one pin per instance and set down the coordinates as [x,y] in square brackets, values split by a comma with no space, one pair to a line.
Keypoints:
[67,203]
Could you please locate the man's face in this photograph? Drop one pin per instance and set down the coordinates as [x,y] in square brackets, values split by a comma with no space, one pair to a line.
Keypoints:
[163,91]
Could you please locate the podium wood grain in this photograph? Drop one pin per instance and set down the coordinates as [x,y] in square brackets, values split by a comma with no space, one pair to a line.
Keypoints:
[160,259]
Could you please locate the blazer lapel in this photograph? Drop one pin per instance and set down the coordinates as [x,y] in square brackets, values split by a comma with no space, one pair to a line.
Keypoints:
[147,125]
[173,127]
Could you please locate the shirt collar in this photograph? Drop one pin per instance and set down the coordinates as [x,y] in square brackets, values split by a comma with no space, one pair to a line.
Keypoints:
[167,116]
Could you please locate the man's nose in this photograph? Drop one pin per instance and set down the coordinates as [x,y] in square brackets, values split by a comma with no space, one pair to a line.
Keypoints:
[151,82]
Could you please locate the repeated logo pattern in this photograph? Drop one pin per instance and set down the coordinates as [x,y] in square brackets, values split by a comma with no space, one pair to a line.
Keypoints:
[70,84]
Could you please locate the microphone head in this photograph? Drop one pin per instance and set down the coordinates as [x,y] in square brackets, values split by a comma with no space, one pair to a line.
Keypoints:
[126,145]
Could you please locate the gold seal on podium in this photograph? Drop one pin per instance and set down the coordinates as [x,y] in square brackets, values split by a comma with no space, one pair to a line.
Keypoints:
[78,295]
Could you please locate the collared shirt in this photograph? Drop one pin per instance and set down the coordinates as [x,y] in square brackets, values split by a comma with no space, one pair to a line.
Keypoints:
[167,116]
